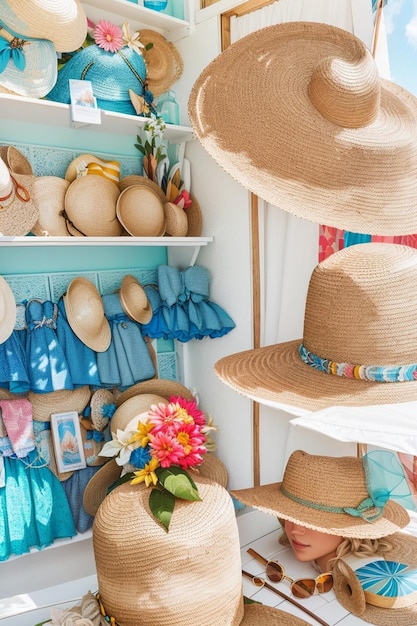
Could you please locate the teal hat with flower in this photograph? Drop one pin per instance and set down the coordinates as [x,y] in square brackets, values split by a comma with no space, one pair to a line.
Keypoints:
[114,65]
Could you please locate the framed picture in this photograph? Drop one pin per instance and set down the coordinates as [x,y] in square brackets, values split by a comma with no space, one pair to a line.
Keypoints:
[68,445]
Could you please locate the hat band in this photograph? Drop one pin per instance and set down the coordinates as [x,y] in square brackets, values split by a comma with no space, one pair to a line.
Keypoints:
[374,373]
[11,48]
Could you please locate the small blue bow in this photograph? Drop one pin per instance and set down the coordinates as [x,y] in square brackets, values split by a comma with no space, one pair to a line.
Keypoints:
[12,50]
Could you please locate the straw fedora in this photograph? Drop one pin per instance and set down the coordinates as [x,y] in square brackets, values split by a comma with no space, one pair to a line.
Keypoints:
[140,210]
[7,310]
[85,314]
[50,199]
[358,345]
[90,207]
[86,163]
[134,300]
[18,209]
[164,65]
[388,597]
[341,146]
[345,485]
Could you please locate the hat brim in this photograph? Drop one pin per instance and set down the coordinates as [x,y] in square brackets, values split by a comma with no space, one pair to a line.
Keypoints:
[158,386]
[404,550]
[50,198]
[277,377]
[271,500]
[40,72]
[257,614]
[7,310]
[349,178]
[134,300]
[164,65]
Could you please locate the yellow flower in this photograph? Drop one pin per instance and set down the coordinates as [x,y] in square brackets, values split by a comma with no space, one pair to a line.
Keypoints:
[144,428]
[147,474]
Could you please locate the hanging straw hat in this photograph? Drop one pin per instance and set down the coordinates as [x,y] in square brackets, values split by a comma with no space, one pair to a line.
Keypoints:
[90,207]
[50,199]
[164,65]
[381,592]
[341,142]
[319,491]
[15,160]
[359,340]
[34,32]
[7,310]
[60,401]
[18,209]
[176,221]
[85,314]
[140,210]
[134,300]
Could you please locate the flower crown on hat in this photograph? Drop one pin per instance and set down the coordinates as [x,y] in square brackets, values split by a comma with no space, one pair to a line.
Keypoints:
[171,439]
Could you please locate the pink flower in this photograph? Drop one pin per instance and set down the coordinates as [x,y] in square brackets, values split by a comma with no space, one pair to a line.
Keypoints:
[163,416]
[166,449]
[188,407]
[192,441]
[108,36]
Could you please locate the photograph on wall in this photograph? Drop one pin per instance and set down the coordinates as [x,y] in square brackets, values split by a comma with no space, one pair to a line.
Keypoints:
[67,440]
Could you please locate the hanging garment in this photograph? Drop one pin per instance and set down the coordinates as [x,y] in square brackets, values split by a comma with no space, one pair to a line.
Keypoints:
[46,362]
[127,360]
[74,488]
[81,359]
[157,327]
[171,288]
[16,416]
[34,509]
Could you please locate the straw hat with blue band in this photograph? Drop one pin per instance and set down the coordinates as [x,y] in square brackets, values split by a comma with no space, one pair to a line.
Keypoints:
[341,146]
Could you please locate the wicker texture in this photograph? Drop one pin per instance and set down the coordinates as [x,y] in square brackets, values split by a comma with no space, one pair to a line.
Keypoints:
[85,314]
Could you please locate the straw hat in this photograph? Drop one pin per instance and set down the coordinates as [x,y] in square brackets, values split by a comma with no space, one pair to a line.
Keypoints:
[176,221]
[134,300]
[18,209]
[140,210]
[360,321]
[164,65]
[134,409]
[159,386]
[102,405]
[341,143]
[90,206]
[194,218]
[63,22]
[85,314]
[85,164]
[15,160]
[392,600]
[7,310]
[50,199]
[60,401]
[318,491]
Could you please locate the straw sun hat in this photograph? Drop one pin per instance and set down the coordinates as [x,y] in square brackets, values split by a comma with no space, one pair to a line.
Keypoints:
[90,207]
[359,340]
[140,209]
[164,65]
[50,199]
[134,300]
[341,143]
[18,209]
[85,313]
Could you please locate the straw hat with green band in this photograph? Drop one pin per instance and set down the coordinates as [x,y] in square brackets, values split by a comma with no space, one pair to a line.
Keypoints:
[341,143]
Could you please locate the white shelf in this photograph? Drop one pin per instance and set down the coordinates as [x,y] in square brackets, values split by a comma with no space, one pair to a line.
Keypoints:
[183,242]
[39,111]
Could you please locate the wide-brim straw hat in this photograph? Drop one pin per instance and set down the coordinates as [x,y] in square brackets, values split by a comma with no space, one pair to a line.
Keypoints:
[50,199]
[90,206]
[18,209]
[85,313]
[15,160]
[7,310]
[60,401]
[398,611]
[133,410]
[63,22]
[164,64]
[85,164]
[316,491]
[134,300]
[360,333]
[140,210]
[341,143]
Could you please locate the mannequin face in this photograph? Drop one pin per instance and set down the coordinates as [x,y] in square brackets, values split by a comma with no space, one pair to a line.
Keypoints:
[312,545]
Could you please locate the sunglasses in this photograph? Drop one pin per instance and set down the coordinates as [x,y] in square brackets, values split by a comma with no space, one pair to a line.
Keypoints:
[301,588]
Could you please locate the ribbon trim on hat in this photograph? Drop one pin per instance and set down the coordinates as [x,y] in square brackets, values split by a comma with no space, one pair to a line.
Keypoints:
[11,48]
[373,373]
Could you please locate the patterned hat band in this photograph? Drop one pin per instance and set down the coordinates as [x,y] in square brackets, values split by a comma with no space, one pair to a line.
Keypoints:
[373,373]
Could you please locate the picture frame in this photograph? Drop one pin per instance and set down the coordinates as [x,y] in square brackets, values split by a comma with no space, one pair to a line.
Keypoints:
[67,441]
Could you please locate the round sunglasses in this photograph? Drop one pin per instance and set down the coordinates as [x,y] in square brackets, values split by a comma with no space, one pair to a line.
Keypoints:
[301,588]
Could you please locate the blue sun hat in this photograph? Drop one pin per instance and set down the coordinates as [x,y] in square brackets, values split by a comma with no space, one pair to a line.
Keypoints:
[113,69]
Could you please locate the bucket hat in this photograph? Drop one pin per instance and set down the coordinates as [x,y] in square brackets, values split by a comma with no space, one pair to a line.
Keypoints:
[7,310]
[134,300]
[50,199]
[140,210]
[90,207]
[341,146]
[164,65]
[85,314]
[18,209]
[359,337]
[333,495]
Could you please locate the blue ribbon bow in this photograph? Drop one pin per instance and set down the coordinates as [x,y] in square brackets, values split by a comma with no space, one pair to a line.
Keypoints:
[10,51]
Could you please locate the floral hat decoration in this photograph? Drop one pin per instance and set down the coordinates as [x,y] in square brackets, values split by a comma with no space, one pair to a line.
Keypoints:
[112,59]
[158,447]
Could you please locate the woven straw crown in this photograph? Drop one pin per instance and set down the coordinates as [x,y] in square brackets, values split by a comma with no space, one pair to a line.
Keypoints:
[313,485]
[341,143]
[360,310]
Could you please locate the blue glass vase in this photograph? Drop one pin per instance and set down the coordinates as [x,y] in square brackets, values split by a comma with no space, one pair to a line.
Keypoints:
[155,5]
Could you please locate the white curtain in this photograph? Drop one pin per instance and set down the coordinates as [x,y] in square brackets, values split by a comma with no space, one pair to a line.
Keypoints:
[289,245]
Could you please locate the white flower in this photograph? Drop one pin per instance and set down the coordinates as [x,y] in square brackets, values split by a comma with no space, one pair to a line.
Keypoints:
[132,40]
[121,446]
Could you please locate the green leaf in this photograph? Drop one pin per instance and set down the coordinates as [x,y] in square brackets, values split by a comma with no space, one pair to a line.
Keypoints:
[120,481]
[140,148]
[178,482]
[162,505]
[149,46]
